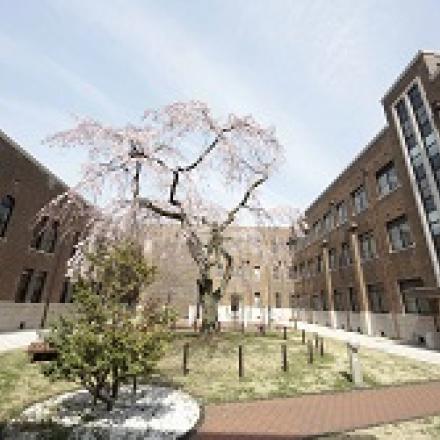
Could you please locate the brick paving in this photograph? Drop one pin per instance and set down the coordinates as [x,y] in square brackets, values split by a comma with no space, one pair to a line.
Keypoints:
[316,414]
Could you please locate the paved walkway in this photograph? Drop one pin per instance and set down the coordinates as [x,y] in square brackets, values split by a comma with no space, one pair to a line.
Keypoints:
[21,339]
[310,415]
[383,344]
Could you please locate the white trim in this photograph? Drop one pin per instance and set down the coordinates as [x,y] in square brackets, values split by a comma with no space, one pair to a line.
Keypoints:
[412,179]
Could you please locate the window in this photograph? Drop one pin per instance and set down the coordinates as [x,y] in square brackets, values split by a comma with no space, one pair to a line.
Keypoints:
[257,299]
[30,286]
[319,264]
[257,272]
[376,298]
[6,208]
[360,201]
[316,303]
[367,246]
[292,301]
[292,272]
[386,180]
[75,242]
[339,301]
[235,302]
[67,290]
[274,245]
[412,304]
[328,221]
[399,234]
[424,127]
[310,267]
[332,259]
[45,235]
[324,301]
[341,213]
[278,300]
[354,301]
[23,286]
[345,256]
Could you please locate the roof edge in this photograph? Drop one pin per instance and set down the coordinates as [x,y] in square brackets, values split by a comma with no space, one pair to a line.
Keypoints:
[31,158]
[346,169]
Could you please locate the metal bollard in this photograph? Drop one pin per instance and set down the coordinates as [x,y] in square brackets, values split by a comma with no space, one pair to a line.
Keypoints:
[240,361]
[185,358]
[321,347]
[310,351]
[284,357]
[316,338]
[295,324]
[303,336]
[195,325]
[285,333]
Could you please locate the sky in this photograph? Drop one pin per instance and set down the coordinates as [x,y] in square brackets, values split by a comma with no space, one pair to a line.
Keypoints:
[314,69]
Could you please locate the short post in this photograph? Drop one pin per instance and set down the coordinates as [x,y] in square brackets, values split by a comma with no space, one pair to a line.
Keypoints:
[355,363]
[310,351]
[242,327]
[134,385]
[195,325]
[285,333]
[316,338]
[185,358]
[284,356]
[321,347]
[295,324]
[303,336]
[240,361]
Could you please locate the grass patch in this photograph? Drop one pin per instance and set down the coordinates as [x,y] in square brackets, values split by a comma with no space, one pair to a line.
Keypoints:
[21,384]
[213,364]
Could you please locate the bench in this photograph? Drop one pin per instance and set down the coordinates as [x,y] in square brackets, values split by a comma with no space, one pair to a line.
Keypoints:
[41,351]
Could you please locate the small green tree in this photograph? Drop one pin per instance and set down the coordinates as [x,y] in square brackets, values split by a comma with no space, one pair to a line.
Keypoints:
[107,339]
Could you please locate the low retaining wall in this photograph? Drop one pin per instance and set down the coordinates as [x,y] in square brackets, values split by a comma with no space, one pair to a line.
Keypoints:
[16,316]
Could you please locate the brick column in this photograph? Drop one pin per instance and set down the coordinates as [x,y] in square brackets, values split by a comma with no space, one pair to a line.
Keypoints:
[365,308]
[328,283]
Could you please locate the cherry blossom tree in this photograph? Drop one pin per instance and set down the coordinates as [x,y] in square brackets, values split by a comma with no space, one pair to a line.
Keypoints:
[180,165]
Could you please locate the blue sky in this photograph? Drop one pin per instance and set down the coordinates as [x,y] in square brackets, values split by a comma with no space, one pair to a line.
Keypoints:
[316,70]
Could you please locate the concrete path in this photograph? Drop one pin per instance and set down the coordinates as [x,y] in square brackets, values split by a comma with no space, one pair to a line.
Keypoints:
[311,415]
[378,343]
[13,340]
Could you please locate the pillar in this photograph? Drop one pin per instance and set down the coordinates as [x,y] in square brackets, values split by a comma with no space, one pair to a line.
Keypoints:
[365,307]
[328,283]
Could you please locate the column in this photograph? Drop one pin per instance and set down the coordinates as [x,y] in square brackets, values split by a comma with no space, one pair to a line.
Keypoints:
[360,277]
[328,283]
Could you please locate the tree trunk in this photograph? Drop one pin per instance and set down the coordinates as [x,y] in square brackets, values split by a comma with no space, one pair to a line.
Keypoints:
[209,302]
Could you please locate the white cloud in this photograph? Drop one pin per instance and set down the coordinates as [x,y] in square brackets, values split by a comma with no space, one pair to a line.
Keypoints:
[26,58]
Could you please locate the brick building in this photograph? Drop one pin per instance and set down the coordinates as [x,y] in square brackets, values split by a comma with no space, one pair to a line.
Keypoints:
[32,257]
[368,258]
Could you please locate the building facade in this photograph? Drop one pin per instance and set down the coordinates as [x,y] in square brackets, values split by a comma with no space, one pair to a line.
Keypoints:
[368,259]
[261,287]
[33,259]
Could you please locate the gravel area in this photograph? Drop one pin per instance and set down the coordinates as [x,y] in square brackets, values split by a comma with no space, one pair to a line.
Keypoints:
[156,412]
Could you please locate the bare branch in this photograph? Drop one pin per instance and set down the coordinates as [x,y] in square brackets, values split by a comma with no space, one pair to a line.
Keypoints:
[242,203]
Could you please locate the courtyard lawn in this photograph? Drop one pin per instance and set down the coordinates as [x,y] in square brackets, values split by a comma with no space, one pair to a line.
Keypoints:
[21,383]
[213,365]
[213,375]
